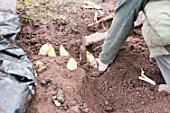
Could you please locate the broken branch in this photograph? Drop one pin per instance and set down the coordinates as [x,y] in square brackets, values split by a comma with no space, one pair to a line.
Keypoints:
[93,38]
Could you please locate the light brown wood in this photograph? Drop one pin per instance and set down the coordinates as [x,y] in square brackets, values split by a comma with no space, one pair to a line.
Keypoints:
[93,38]
[108,17]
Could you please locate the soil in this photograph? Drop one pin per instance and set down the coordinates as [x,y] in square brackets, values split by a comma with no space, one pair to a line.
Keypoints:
[118,90]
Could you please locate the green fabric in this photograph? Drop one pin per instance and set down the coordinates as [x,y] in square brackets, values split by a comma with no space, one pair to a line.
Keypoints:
[122,24]
[156,29]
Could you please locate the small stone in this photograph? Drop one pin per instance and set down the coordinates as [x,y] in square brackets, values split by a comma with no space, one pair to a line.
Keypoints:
[152,97]
[48,80]
[61,99]
[43,83]
[60,96]
[65,107]
[106,102]
[140,95]
[58,104]
[83,16]
[109,109]
[86,110]
[55,87]
[143,103]
[54,97]
[83,107]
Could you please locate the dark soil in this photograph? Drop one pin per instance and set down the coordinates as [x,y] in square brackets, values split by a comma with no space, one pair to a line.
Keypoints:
[118,90]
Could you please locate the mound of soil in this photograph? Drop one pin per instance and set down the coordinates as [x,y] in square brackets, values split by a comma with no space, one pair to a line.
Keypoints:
[118,90]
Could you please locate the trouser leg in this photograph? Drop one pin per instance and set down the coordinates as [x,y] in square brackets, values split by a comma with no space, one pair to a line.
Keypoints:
[122,24]
[164,65]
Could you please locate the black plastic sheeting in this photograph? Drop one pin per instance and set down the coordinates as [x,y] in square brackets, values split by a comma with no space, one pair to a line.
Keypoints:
[17,82]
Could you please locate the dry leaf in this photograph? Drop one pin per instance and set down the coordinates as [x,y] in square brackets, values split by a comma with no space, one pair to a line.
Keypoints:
[63,51]
[91,59]
[72,64]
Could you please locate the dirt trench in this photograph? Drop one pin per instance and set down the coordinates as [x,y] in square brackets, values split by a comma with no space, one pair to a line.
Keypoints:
[118,90]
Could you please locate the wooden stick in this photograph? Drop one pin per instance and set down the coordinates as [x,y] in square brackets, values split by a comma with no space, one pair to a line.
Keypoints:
[93,38]
[137,23]
[108,17]
[96,37]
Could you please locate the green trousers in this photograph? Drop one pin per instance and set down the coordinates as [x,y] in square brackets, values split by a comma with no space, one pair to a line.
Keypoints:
[122,24]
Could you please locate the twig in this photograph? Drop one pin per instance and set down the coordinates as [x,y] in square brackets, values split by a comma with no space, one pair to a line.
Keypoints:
[93,38]
[97,47]
[95,16]
[108,17]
